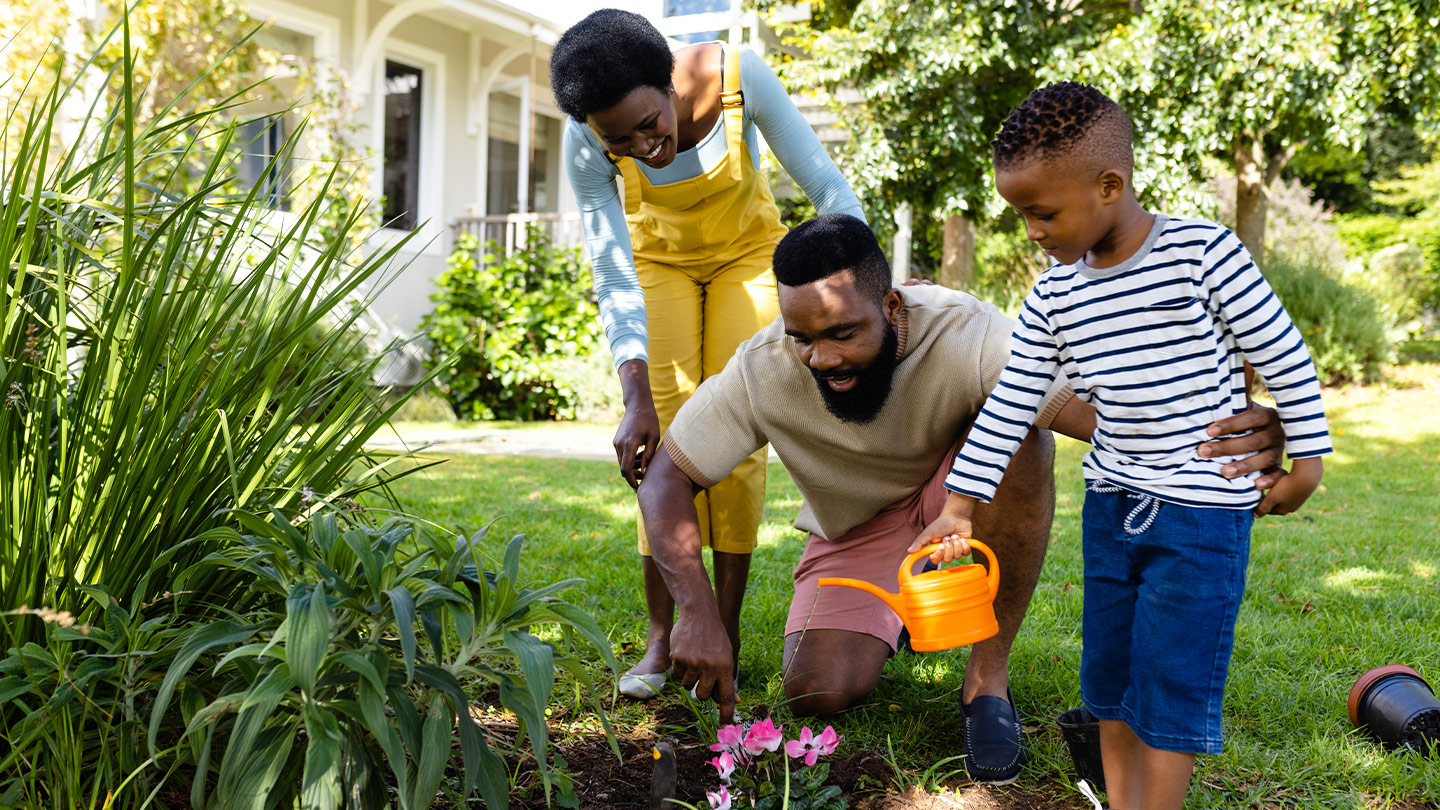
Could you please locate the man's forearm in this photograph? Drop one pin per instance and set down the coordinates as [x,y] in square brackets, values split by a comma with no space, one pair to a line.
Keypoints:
[667,502]
[1076,420]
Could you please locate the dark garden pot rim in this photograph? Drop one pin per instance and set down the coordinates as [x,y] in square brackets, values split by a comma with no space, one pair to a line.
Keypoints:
[1364,682]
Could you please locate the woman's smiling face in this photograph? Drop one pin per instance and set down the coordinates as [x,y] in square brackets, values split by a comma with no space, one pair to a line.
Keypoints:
[641,125]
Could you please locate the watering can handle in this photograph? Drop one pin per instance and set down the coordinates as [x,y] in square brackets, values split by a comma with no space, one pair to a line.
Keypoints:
[993,579]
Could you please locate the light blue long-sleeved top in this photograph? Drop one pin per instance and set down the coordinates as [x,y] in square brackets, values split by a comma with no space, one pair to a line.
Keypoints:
[602,213]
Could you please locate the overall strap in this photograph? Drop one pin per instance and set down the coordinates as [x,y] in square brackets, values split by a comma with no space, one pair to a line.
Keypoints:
[628,173]
[732,105]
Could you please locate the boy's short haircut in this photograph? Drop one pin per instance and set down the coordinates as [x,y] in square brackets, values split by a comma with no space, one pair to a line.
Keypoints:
[828,244]
[1066,120]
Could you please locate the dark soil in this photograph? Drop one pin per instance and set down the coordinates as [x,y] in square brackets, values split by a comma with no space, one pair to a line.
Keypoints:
[604,783]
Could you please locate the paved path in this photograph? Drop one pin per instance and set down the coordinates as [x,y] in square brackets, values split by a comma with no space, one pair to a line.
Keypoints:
[555,440]
[543,439]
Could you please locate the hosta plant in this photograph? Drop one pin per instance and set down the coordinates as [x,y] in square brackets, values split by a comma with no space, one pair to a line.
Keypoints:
[361,662]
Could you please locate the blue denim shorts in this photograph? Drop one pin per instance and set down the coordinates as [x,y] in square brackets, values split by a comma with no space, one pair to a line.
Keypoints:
[1163,584]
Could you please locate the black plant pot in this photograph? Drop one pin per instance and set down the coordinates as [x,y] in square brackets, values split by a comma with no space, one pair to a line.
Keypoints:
[1395,706]
[1082,736]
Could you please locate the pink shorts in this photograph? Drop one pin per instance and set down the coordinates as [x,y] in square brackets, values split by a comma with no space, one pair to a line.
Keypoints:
[871,552]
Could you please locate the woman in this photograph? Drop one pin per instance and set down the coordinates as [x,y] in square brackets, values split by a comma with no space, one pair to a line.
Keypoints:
[682,259]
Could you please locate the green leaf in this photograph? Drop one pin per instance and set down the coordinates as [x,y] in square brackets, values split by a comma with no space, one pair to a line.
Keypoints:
[357,662]
[321,787]
[537,664]
[372,708]
[434,753]
[208,636]
[404,606]
[309,619]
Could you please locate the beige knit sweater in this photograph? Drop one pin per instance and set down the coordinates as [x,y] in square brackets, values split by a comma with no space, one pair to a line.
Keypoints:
[952,348]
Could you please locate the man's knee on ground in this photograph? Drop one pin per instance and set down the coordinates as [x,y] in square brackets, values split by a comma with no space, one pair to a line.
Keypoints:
[813,694]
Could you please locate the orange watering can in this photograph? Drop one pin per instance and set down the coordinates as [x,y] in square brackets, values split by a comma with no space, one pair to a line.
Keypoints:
[948,608]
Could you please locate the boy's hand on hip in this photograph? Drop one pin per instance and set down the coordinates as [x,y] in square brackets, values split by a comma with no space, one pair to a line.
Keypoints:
[1293,489]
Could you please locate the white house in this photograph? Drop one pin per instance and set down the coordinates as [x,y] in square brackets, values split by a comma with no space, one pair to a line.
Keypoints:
[454,97]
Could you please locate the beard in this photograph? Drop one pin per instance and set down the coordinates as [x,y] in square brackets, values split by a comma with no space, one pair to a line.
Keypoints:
[864,402]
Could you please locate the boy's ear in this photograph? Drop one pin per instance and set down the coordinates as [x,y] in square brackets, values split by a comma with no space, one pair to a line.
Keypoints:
[1112,184]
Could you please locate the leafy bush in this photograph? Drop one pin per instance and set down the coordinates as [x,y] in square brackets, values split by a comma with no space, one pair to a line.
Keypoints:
[501,323]
[1342,325]
[78,701]
[164,353]
[320,691]
[1006,262]
[328,688]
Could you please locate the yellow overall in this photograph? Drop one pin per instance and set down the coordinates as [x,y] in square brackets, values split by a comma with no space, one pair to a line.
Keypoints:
[703,250]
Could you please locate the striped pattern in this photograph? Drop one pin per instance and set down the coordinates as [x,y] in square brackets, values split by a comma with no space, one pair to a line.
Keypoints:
[1157,345]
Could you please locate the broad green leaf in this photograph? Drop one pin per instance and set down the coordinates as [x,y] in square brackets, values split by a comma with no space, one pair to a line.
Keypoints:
[321,787]
[537,665]
[404,606]
[308,617]
[434,752]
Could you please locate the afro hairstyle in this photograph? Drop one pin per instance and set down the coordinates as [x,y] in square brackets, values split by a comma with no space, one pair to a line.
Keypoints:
[828,244]
[604,57]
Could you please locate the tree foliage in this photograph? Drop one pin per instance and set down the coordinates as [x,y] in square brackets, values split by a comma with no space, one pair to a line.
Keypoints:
[1253,81]
[1258,80]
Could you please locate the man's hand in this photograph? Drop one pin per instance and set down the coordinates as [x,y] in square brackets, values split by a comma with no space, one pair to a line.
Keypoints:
[702,660]
[1261,449]
[638,436]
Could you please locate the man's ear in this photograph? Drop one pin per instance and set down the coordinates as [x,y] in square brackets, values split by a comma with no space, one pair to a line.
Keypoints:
[1113,185]
[891,305]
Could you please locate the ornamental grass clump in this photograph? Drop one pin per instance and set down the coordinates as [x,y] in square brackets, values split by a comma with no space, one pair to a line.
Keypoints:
[756,768]
[169,346]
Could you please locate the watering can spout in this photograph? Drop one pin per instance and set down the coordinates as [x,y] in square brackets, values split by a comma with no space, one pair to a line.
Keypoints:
[894,600]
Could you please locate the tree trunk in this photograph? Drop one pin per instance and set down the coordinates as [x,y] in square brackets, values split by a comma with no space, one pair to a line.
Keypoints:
[957,256]
[1252,198]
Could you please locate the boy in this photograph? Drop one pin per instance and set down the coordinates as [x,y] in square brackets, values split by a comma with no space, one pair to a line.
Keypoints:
[1151,319]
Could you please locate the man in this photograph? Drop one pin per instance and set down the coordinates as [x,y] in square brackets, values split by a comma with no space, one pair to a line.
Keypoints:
[865,391]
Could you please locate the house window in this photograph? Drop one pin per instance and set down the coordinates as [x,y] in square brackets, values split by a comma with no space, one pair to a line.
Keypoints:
[502,189]
[263,139]
[402,146]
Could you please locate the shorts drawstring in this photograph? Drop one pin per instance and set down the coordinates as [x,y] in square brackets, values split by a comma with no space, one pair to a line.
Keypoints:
[1149,502]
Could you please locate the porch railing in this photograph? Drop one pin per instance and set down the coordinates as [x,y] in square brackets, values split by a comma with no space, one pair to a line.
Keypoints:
[509,231]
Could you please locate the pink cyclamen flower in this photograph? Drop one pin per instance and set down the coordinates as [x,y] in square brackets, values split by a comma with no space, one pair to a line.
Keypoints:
[729,739]
[725,764]
[811,747]
[764,735]
[719,801]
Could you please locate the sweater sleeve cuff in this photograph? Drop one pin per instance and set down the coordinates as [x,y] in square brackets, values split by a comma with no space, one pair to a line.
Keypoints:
[1051,408]
[683,462]
[627,349]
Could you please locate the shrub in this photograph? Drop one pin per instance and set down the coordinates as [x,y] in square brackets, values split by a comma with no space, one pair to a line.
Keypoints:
[502,323]
[322,690]
[328,689]
[1006,262]
[1342,325]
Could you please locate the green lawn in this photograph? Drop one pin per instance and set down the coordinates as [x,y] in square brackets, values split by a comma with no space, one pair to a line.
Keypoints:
[1349,583]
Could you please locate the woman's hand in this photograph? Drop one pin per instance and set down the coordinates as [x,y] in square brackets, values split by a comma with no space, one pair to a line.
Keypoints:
[638,436]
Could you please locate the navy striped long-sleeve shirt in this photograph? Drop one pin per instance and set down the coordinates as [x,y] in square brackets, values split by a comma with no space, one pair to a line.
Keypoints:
[1157,345]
